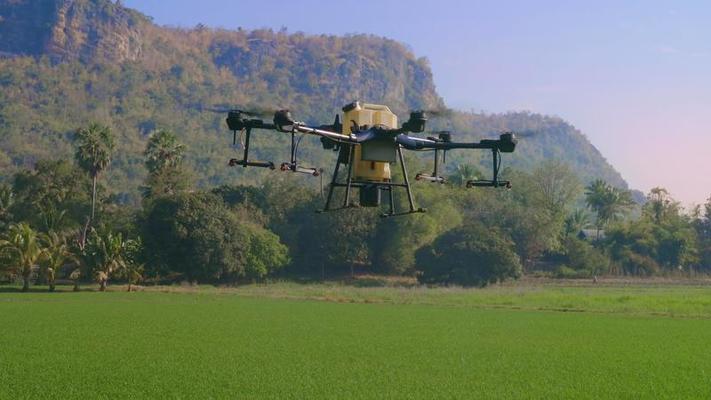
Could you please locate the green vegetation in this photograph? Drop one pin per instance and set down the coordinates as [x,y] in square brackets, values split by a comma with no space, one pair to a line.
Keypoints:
[447,343]
[473,256]
[197,236]
[241,234]
[93,154]
[608,202]
[21,252]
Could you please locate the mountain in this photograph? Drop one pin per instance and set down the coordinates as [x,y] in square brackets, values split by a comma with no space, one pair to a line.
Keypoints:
[64,63]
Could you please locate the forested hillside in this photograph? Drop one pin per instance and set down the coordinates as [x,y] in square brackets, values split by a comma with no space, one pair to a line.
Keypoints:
[65,63]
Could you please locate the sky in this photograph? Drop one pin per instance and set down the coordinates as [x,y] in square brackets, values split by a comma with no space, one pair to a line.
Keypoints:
[633,76]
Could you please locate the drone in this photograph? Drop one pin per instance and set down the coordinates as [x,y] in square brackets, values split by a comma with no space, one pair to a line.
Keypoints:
[368,145]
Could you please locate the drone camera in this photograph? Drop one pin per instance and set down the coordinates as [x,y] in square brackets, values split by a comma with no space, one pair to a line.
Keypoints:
[416,123]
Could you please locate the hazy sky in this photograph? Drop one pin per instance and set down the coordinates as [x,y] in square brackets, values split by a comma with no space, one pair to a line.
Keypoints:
[634,76]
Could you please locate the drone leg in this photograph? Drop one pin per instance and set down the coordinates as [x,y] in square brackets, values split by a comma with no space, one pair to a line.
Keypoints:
[392,200]
[332,187]
[246,146]
[407,181]
[347,199]
[495,157]
[293,149]
[436,164]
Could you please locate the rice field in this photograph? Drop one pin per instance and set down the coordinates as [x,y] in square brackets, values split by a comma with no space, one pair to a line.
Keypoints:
[335,341]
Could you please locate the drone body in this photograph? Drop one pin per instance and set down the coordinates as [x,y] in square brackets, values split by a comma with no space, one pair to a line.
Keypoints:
[372,158]
[369,143]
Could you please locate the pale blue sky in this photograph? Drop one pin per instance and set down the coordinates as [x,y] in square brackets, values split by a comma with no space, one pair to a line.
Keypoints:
[634,76]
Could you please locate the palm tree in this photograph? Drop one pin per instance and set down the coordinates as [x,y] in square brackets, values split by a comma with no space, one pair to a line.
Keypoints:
[20,252]
[75,276]
[163,151]
[607,201]
[107,254]
[463,174]
[576,221]
[164,155]
[55,255]
[133,273]
[93,154]
[660,205]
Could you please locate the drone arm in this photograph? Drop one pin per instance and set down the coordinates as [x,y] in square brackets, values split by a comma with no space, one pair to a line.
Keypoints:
[506,144]
[324,133]
[415,143]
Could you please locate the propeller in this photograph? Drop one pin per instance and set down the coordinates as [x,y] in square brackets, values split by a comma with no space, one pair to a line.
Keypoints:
[418,118]
[528,134]
[440,112]
[253,111]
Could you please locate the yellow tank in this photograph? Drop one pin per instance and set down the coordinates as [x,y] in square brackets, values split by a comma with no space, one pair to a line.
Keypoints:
[370,115]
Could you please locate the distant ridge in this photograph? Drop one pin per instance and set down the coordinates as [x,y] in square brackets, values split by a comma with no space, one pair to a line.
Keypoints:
[64,63]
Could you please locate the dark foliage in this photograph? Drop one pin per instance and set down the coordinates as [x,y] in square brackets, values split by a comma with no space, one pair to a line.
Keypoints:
[197,236]
[473,255]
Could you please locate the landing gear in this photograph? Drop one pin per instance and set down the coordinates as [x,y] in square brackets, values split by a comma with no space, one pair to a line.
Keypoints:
[369,191]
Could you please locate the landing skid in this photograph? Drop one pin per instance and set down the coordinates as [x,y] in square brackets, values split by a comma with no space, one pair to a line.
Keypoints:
[351,183]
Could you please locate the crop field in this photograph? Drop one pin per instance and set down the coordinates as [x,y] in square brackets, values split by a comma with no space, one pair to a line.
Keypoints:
[332,341]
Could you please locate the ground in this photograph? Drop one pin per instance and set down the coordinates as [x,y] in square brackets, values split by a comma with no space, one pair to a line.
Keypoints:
[525,340]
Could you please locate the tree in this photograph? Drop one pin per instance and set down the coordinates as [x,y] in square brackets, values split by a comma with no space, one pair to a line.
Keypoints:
[93,154]
[20,252]
[55,254]
[265,255]
[106,254]
[634,247]
[339,240]
[163,151]
[397,240]
[608,202]
[532,215]
[53,196]
[673,231]
[576,221]
[164,156]
[660,206]
[703,229]
[557,186]
[473,255]
[7,199]
[197,236]
[582,256]
[463,173]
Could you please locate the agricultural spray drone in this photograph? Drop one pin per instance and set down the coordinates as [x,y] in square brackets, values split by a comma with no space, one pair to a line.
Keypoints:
[367,144]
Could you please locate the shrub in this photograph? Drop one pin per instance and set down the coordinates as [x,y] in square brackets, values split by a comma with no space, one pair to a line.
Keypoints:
[582,256]
[473,255]
[197,236]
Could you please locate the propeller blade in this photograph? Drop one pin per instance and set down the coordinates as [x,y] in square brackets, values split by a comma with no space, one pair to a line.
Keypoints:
[527,134]
[440,112]
[254,111]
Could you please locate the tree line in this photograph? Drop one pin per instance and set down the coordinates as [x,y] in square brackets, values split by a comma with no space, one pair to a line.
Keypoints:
[60,220]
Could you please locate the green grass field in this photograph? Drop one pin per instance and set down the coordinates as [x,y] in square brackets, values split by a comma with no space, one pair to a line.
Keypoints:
[332,341]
